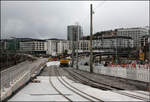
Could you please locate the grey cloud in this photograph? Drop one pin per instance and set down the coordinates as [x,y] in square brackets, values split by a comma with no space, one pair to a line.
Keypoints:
[50,19]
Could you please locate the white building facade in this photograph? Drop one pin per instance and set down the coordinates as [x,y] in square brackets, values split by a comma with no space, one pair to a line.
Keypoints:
[135,33]
[52,47]
[58,47]
[113,42]
[34,46]
[63,46]
[84,45]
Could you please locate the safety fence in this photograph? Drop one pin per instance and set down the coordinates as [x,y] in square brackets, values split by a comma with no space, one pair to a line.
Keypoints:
[139,73]
[16,76]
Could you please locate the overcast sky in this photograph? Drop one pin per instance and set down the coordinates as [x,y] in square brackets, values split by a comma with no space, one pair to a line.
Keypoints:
[43,19]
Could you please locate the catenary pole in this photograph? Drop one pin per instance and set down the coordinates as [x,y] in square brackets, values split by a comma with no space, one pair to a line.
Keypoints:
[73,48]
[77,44]
[91,35]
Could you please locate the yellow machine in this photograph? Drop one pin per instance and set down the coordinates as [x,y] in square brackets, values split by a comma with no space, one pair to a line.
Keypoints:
[53,58]
[49,59]
[64,62]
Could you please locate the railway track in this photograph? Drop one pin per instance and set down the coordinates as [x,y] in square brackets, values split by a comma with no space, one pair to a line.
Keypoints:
[77,90]
[58,90]
[85,80]
[147,94]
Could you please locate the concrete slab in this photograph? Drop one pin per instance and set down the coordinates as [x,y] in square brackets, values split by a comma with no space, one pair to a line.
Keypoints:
[42,91]
[103,95]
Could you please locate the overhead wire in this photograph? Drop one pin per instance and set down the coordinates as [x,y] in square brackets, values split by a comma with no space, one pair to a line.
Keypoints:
[99,5]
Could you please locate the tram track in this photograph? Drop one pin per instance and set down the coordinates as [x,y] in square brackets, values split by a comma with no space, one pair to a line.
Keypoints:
[77,93]
[58,90]
[73,89]
[132,95]
[144,93]
[84,79]
[95,98]
[88,81]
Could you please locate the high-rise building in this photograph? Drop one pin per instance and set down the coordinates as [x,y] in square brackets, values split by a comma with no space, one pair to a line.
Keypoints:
[73,31]
[135,33]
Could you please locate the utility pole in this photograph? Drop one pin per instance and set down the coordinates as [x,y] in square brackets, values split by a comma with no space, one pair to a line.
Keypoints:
[149,48]
[116,50]
[73,48]
[77,44]
[101,48]
[91,35]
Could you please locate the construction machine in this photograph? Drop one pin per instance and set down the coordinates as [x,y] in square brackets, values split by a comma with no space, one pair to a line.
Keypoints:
[64,61]
[53,58]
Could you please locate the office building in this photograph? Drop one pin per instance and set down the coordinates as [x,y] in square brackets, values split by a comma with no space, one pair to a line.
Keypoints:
[73,31]
[135,33]
[112,42]
[57,46]
[34,46]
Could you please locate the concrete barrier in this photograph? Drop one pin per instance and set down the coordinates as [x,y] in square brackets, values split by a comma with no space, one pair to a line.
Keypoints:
[121,72]
[139,74]
[131,73]
[16,76]
[143,75]
[104,70]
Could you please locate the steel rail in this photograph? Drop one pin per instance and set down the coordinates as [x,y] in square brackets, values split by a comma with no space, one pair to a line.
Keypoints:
[99,85]
[109,86]
[57,89]
[132,95]
[78,89]
[146,94]
[122,93]
[72,89]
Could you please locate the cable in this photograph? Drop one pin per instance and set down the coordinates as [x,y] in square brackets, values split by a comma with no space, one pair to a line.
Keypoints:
[99,5]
